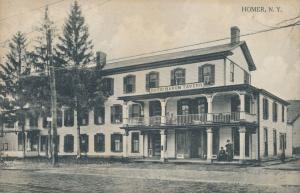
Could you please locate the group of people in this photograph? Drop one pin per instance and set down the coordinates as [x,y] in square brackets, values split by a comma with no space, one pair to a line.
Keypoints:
[227,154]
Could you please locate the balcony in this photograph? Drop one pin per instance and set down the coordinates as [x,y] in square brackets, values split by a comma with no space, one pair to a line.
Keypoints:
[194,119]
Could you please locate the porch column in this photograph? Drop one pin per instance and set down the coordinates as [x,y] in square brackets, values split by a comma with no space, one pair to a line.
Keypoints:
[163,140]
[125,113]
[163,111]
[40,122]
[209,108]
[75,119]
[125,144]
[242,105]
[209,143]
[63,116]
[242,131]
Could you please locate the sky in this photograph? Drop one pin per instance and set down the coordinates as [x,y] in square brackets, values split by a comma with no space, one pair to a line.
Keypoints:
[123,28]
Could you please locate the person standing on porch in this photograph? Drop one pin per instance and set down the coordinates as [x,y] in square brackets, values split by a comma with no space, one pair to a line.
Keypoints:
[229,150]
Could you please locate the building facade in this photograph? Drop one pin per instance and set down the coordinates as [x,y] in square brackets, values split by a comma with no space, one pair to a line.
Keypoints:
[293,113]
[180,105]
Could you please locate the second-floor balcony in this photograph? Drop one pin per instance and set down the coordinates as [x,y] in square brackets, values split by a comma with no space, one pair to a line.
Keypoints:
[193,119]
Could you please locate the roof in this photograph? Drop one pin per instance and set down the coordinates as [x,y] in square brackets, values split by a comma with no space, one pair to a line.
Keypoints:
[184,54]
[293,111]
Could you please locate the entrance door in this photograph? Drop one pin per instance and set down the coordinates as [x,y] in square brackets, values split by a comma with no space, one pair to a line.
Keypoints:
[196,144]
[154,145]
[183,144]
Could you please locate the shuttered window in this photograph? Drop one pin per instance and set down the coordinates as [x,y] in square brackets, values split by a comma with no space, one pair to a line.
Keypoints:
[265,109]
[99,142]
[282,113]
[152,80]
[178,76]
[116,143]
[129,84]
[108,86]
[116,114]
[274,112]
[99,115]
[206,74]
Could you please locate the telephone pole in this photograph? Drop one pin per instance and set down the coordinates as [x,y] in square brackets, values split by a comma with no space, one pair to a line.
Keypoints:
[53,101]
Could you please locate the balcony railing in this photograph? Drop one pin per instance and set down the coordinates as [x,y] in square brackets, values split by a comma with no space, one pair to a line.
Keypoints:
[194,119]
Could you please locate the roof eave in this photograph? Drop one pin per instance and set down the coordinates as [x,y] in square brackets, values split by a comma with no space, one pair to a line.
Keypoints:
[248,56]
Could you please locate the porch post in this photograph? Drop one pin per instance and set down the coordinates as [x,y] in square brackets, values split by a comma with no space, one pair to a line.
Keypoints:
[125,113]
[242,105]
[163,111]
[125,144]
[242,131]
[163,140]
[63,116]
[209,108]
[209,144]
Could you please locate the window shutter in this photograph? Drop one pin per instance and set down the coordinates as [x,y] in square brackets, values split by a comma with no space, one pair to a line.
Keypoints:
[212,74]
[111,86]
[147,82]
[133,80]
[112,112]
[200,74]
[172,77]
[124,84]
[183,73]
[157,79]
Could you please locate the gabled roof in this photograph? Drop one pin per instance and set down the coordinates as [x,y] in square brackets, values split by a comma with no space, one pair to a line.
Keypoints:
[293,111]
[224,49]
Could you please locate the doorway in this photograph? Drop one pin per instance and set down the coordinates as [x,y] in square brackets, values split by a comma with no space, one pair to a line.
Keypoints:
[154,144]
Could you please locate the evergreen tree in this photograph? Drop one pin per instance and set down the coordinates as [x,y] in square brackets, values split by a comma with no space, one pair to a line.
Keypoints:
[75,84]
[12,72]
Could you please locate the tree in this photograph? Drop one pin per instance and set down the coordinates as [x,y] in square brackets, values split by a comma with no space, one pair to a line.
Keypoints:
[11,72]
[75,51]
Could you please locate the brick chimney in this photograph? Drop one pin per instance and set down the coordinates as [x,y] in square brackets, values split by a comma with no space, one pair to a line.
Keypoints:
[235,35]
[100,59]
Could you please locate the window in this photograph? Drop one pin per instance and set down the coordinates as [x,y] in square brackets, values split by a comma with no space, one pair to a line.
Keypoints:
[231,72]
[247,104]
[265,109]
[99,142]
[129,84]
[33,120]
[47,123]
[108,86]
[69,118]
[116,143]
[282,141]
[84,143]
[69,143]
[274,142]
[246,77]
[135,142]
[44,143]
[178,76]
[282,113]
[274,111]
[21,137]
[152,80]
[99,115]
[59,118]
[207,74]
[83,117]
[116,114]
[135,110]
[266,141]
[183,107]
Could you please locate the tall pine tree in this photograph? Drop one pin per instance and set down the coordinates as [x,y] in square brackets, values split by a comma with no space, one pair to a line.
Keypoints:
[15,67]
[75,52]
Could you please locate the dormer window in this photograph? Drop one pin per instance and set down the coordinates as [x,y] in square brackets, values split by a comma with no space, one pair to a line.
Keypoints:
[129,84]
[207,74]
[178,76]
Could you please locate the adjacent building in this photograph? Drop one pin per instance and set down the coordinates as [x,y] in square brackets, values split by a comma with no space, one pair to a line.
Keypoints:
[293,116]
[180,105]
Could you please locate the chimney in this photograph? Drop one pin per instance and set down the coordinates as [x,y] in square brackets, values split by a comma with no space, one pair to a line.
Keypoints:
[235,35]
[100,59]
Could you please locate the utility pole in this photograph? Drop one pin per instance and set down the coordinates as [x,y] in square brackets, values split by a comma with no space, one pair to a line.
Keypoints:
[53,101]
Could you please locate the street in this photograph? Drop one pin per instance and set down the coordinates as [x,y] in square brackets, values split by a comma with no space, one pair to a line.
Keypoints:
[147,177]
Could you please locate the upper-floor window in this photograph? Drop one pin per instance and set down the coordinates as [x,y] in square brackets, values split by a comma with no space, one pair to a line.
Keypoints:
[99,115]
[135,110]
[178,76]
[265,109]
[183,107]
[108,86]
[282,113]
[69,117]
[129,84]
[274,111]
[207,74]
[116,114]
[231,71]
[47,122]
[33,120]
[246,77]
[152,80]
[83,117]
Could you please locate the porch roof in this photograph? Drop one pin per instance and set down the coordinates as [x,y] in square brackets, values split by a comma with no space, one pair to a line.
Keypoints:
[208,90]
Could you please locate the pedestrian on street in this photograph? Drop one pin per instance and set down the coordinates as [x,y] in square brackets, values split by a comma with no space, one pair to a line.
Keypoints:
[229,150]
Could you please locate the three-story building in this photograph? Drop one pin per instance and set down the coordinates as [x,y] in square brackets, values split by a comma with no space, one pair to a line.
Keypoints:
[179,105]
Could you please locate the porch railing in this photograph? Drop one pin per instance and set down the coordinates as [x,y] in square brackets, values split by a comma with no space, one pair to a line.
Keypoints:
[194,119]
